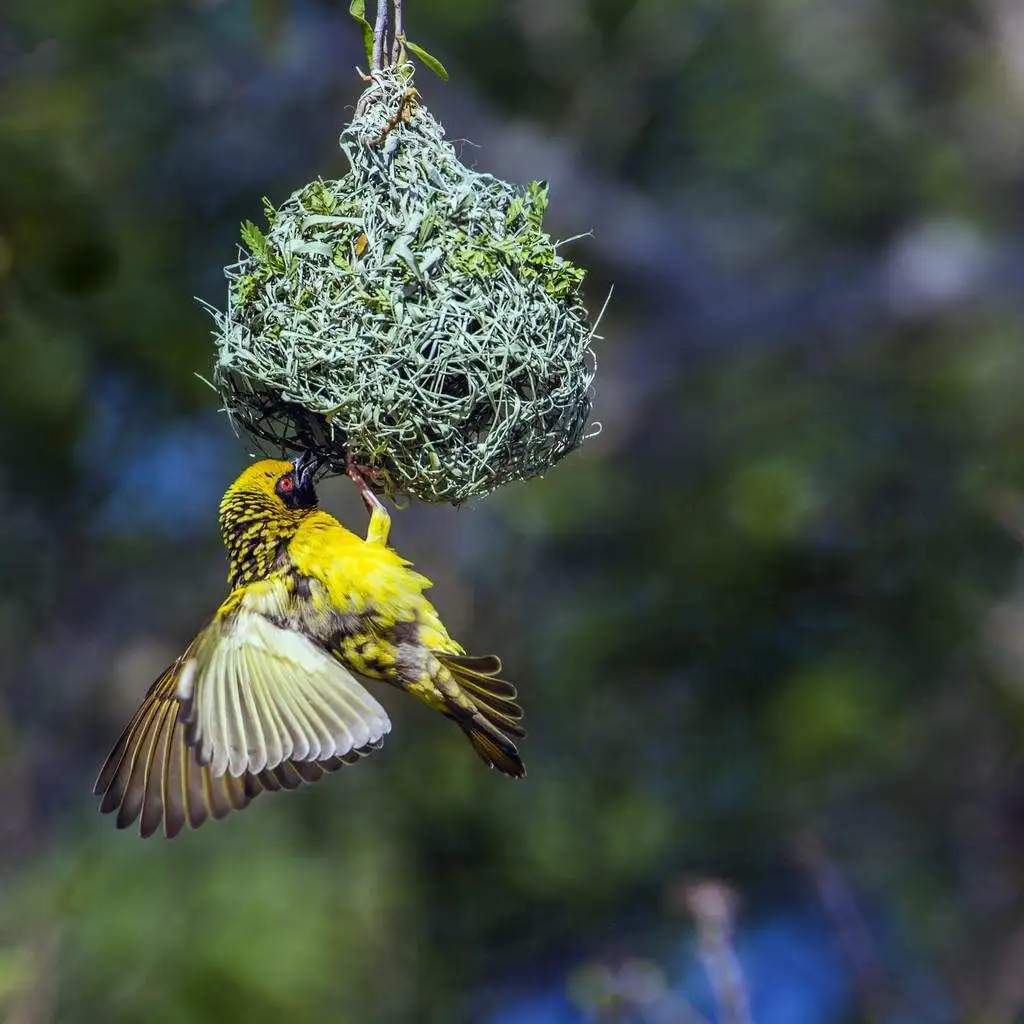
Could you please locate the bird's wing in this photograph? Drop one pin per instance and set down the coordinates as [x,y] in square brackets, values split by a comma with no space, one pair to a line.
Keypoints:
[256,693]
[155,769]
[153,772]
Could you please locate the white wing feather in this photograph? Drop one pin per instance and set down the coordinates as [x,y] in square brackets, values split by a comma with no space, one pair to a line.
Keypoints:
[261,695]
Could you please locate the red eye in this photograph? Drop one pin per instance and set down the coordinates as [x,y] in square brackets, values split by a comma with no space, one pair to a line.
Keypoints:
[285,485]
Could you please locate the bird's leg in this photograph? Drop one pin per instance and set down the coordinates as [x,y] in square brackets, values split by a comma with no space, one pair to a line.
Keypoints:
[380,522]
[359,476]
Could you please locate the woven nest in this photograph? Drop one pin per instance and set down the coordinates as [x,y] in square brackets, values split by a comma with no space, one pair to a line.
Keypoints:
[413,313]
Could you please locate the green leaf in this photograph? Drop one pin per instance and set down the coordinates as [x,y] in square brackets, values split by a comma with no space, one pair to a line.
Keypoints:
[357,8]
[536,202]
[431,61]
[254,240]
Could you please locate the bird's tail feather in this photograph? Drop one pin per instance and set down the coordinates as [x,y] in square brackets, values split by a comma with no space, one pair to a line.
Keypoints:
[494,748]
[495,717]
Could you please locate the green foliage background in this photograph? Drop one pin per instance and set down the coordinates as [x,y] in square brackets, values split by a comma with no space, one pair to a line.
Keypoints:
[779,596]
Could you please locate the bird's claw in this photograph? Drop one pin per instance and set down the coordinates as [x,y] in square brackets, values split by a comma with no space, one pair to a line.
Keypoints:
[361,477]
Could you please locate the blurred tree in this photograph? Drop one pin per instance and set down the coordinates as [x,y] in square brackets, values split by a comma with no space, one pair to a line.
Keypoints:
[773,595]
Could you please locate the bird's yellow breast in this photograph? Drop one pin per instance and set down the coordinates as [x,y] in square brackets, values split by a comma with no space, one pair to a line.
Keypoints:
[359,576]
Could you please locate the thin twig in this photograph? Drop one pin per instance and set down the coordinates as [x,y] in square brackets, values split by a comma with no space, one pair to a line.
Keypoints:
[380,33]
[399,30]
[851,931]
[712,904]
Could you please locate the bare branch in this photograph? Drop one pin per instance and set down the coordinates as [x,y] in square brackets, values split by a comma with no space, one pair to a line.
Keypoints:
[399,30]
[713,904]
[851,931]
[380,33]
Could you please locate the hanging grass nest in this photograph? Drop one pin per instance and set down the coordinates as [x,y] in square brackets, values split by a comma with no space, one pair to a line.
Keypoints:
[413,313]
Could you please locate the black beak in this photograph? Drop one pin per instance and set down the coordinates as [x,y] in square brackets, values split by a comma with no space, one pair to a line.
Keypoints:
[306,466]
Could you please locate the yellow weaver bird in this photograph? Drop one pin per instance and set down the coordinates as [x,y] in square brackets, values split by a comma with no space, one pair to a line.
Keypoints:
[265,698]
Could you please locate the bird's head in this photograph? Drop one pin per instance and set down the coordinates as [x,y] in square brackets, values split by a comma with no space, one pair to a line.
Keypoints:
[279,485]
[262,510]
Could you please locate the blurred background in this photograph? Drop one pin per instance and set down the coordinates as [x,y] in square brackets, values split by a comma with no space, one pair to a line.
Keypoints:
[768,626]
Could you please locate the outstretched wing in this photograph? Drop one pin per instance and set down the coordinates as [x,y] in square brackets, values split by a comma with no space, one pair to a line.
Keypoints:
[249,706]
[256,693]
[151,771]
